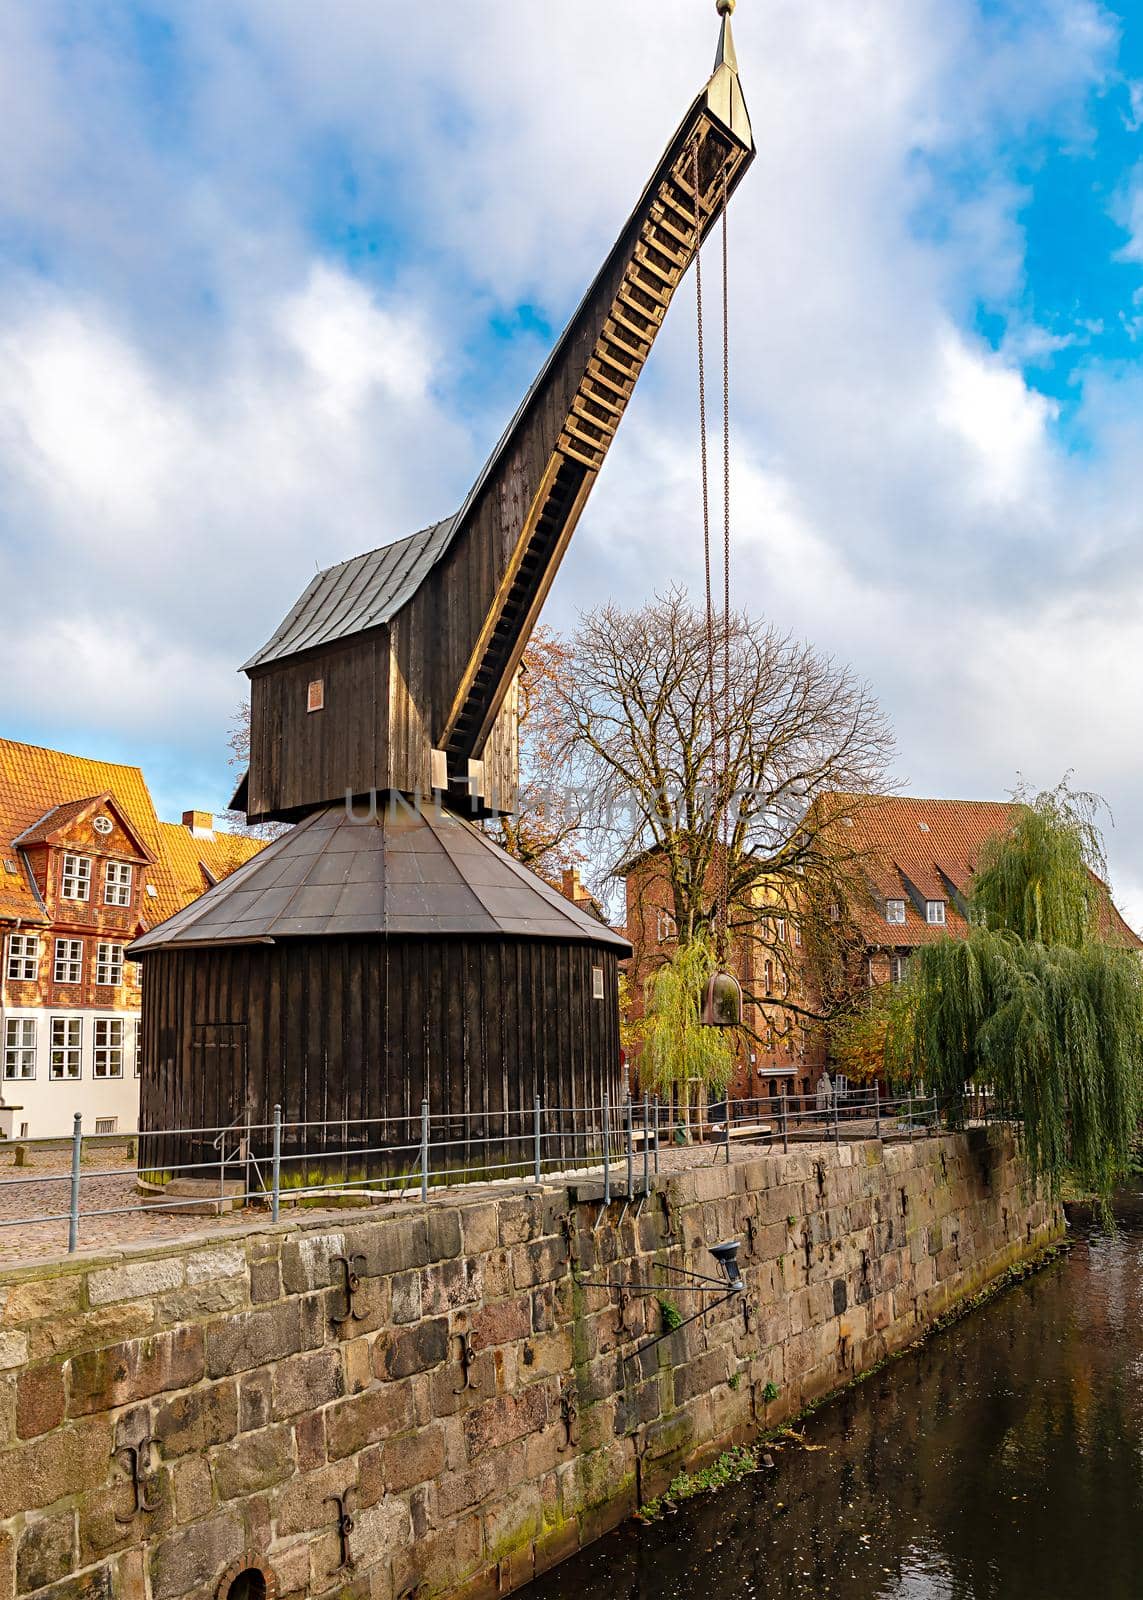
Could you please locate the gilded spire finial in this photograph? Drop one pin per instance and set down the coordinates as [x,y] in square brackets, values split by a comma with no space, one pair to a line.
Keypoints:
[725,8]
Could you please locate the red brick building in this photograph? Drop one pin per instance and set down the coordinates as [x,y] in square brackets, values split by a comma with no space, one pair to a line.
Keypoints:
[913,875]
[85,866]
[781,1051]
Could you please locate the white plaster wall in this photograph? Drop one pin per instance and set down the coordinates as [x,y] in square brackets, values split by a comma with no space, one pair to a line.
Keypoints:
[48,1106]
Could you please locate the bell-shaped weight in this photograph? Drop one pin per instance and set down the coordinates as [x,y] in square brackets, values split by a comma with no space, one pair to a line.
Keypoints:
[722,1002]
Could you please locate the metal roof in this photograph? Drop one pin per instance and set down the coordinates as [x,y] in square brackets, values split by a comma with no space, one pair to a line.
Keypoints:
[357,594]
[395,873]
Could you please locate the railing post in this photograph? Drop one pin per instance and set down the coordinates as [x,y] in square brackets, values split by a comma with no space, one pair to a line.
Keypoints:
[936,1114]
[606,1148]
[909,1115]
[646,1144]
[276,1180]
[536,1135]
[877,1105]
[424,1149]
[76,1158]
[836,1124]
[656,1136]
[785,1126]
[630,1151]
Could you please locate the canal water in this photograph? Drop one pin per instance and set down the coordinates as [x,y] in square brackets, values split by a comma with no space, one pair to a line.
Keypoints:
[1004,1458]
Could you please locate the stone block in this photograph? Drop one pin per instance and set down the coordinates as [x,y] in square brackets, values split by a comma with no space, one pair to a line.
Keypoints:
[407,1297]
[444,1233]
[303,1504]
[368,1418]
[40,1399]
[307,1381]
[54,1296]
[46,1552]
[413,1458]
[135,1280]
[505,1418]
[307,1261]
[70,1336]
[265,1281]
[191,1422]
[414,1349]
[255,1462]
[503,1322]
[255,1400]
[479,1228]
[225,1261]
[256,1338]
[65,1462]
[193,1489]
[13,1348]
[97,1584]
[450,1286]
[118,1375]
[193,1557]
[309,1441]
[541,1261]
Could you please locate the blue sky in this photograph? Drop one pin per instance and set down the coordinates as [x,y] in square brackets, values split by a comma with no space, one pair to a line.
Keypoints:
[273,275]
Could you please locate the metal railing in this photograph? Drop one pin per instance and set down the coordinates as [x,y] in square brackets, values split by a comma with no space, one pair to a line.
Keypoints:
[620,1144]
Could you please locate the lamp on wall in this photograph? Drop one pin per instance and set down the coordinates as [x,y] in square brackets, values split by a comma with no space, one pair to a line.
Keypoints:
[729,1282]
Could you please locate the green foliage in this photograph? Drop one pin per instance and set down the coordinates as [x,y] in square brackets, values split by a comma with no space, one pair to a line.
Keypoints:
[770,1392]
[1036,1002]
[861,1037]
[1043,881]
[729,1468]
[672,1317]
[676,1046]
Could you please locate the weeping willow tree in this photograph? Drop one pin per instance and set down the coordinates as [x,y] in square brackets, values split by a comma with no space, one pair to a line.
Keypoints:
[677,1048]
[1043,1000]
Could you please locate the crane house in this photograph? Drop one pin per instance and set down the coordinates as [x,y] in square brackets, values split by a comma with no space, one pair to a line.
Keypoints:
[385,951]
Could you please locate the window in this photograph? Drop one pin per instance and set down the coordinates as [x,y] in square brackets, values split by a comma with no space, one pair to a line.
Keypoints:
[76,883]
[898,967]
[67,1039]
[597,983]
[835,912]
[23,957]
[117,883]
[666,927]
[768,976]
[104,1125]
[935,912]
[20,1047]
[109,964]
[780,930]
[315,695]
[108,1061]
[69,961]
[798,934]
[894,911]
[138,1049]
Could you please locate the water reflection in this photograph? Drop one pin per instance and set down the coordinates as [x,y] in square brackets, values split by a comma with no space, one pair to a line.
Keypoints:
[1003,1459]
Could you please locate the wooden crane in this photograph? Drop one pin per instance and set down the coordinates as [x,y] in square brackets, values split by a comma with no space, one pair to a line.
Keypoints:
[395,671]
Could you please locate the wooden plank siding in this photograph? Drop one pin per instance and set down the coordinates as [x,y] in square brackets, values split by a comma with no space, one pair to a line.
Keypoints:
[339,1030]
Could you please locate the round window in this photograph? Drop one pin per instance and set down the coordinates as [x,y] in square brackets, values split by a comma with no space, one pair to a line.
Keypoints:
[102,824]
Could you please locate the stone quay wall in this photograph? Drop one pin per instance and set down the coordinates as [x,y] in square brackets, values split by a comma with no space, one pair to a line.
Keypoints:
[171,1417]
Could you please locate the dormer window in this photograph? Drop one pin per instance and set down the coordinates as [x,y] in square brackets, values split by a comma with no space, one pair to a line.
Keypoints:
[895,911]
[935,913]
[76,880]
[117,882]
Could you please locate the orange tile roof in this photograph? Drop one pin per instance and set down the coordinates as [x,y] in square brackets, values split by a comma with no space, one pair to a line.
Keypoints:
[36,783]
[929,847]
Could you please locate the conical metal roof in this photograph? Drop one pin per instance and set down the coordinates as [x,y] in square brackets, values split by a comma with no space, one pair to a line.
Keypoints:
[396,872]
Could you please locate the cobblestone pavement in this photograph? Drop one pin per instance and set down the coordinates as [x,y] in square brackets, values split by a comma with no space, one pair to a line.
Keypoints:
[23,1239]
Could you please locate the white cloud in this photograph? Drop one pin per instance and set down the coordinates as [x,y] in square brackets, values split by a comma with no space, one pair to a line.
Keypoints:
[197,403]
